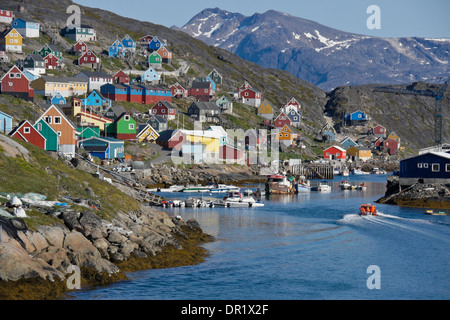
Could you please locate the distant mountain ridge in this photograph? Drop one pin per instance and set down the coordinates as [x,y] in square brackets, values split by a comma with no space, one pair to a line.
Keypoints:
[323,56]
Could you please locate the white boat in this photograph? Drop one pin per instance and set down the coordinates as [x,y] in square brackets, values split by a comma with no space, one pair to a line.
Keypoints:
[345,172]
[324,187]
[174,188]
[197,188]
[279,184]
[362,186]
[303,187]
[235,199]
[378,171]
[223,188]
[358,171]
[345,185]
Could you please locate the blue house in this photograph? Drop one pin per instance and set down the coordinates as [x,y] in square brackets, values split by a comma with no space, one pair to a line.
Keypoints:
[155,44]
[129,44]
[431,167]
[295,118]
[117,49]
[58,99]
[104,147]
[356,118]
[150,75]
[5,122]
[347,143]
[97,100]
[27,28]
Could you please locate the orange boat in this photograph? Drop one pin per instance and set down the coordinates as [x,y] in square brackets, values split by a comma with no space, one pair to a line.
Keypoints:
[368,210]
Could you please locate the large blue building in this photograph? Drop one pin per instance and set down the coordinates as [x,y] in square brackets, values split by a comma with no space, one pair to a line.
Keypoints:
[431,167]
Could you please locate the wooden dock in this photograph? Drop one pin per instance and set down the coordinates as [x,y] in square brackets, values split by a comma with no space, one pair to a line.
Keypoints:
[313,171]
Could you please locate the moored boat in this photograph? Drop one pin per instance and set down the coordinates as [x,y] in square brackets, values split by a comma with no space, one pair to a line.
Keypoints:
[303,187]
[235,199]
[223,188]
[345,185]
[197,188]
[279,184]
[324,187]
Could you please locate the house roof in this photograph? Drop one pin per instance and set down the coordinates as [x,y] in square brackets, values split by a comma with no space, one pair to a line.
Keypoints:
[96,74]
[63,79]
[337,147]
[201,85]
[35,57]
[205,105]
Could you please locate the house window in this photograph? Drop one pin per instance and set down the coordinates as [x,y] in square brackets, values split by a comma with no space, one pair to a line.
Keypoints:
[447,167]
[39,126]
[26,130]
[435,167]
[126,118]
[419,165]
[425,165]
[131,126]
[59,133]
[57,120]
[48,119]
[12,75]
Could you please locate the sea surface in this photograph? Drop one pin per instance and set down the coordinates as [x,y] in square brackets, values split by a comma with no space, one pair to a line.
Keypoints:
[311,246]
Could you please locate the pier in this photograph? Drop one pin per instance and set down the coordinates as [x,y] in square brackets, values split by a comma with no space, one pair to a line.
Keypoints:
[313,171]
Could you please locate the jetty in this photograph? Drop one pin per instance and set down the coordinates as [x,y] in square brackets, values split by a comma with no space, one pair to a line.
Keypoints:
[313,171]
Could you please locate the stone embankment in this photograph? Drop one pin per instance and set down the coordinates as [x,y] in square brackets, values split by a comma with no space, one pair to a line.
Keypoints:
[420,195]
[35,264]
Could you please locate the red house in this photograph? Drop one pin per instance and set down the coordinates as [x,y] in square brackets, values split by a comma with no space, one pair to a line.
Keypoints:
[335,153]
[201,90]
[15,83]
[178,91]
[281,121]
[51,61]
[26,132]
[391,146]
[165,109]
[88,57]
[121,77]
[379,131]
[80,47]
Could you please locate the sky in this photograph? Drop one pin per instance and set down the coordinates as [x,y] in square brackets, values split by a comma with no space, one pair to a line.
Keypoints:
[398,18]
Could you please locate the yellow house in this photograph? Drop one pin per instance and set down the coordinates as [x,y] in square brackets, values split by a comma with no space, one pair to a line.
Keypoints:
[394,136]
[12,41]
[359,153]
[287,135]
[66,86]
[147,133]
[265,110]
[201,146]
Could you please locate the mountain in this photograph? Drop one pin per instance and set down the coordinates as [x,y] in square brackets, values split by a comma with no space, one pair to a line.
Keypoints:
[326,57]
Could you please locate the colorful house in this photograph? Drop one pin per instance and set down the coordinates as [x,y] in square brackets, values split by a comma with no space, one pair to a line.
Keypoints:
[104,147]
[165,54]
[328,133]
[49,48]
[11,41]
[250,97]
[51,136]
[135,93]
[115,112]
[201,90]
[121,77]
[391,146]
[265,110]
[115,92]
[88,57]
[27,28]
[129,44]
[430,167]
[178,91]
[63,127]
[201,146]
[155,60]
[287,135]
[58,99]
[356,118]
[6,16]
[82,33]
[51,61]
[216,77]
[225,105]
[87,118]
[87,132]
[123,128]
[5,122]
[378,131]
[146,133]
[153,94]
[66,86]
[293,104]
[158,123]
[281,120]
[155,44]
[96,101]
[80,47]
[34,62]
[335,153]
[394,136]
[295,117]
[164,109]
[95,79]
[356,153]
[150,75]
[171,139]
[15,83]
[348,142]
[117,49]
[204,111]
[26,132]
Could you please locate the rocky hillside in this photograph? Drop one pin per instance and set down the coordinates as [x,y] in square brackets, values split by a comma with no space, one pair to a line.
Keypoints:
[326,57]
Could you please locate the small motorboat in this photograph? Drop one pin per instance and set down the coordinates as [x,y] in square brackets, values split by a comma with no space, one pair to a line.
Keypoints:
[324,187]
[345,185]
[235,199]
[432,213]
[362,186]
[368,210]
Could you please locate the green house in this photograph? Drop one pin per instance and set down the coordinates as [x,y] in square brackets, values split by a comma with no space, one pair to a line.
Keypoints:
[88,132]
[154,59]
[51,135]
[123,128]
[49,48]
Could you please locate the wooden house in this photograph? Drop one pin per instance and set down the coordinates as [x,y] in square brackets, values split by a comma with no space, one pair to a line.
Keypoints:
[123,128]
[146,132]
[430,167]
[360,153]
[66,86]
[216,77]
[116,50]
[5,123]
[35,63]
[378,131]
[335,153]
[225,105]
[287,135]
[151,76]
[201,90]
[293,104]
[95,79]
[51,61]
[114,112]
[26,132]
[327,133]
[121,77]
[295,117]
[145,40]
[347,143]
[165,54]
[155,44]
[51,136]
[15,83]
[135,93]
[82,33]
[281,120]
[6,16]
[357,118]
[154,60]
[79,48]
[88,118]
[27,28]
[88,57]
[153,93]
[63,127]
[96,101]
[11,41]
[50,48]
[86,132]
[390,146]
[129,44]
[115,91]
[266,110]
[178,91]
[58,99]
[394,136]
[164,109]
[171,139]
[158,123]
[104,147]
[204,111]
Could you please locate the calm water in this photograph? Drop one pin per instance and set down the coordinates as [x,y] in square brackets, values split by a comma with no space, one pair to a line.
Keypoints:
[308,246]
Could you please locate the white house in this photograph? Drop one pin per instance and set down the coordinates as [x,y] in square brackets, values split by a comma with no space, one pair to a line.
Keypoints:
[95,79]
[27,28]
[6,16]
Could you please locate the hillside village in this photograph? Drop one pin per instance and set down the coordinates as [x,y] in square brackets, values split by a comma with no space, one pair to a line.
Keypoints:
[101,100]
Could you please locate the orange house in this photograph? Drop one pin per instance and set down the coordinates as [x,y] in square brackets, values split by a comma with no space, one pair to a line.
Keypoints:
[165,54]
[287,135]
[66,130]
